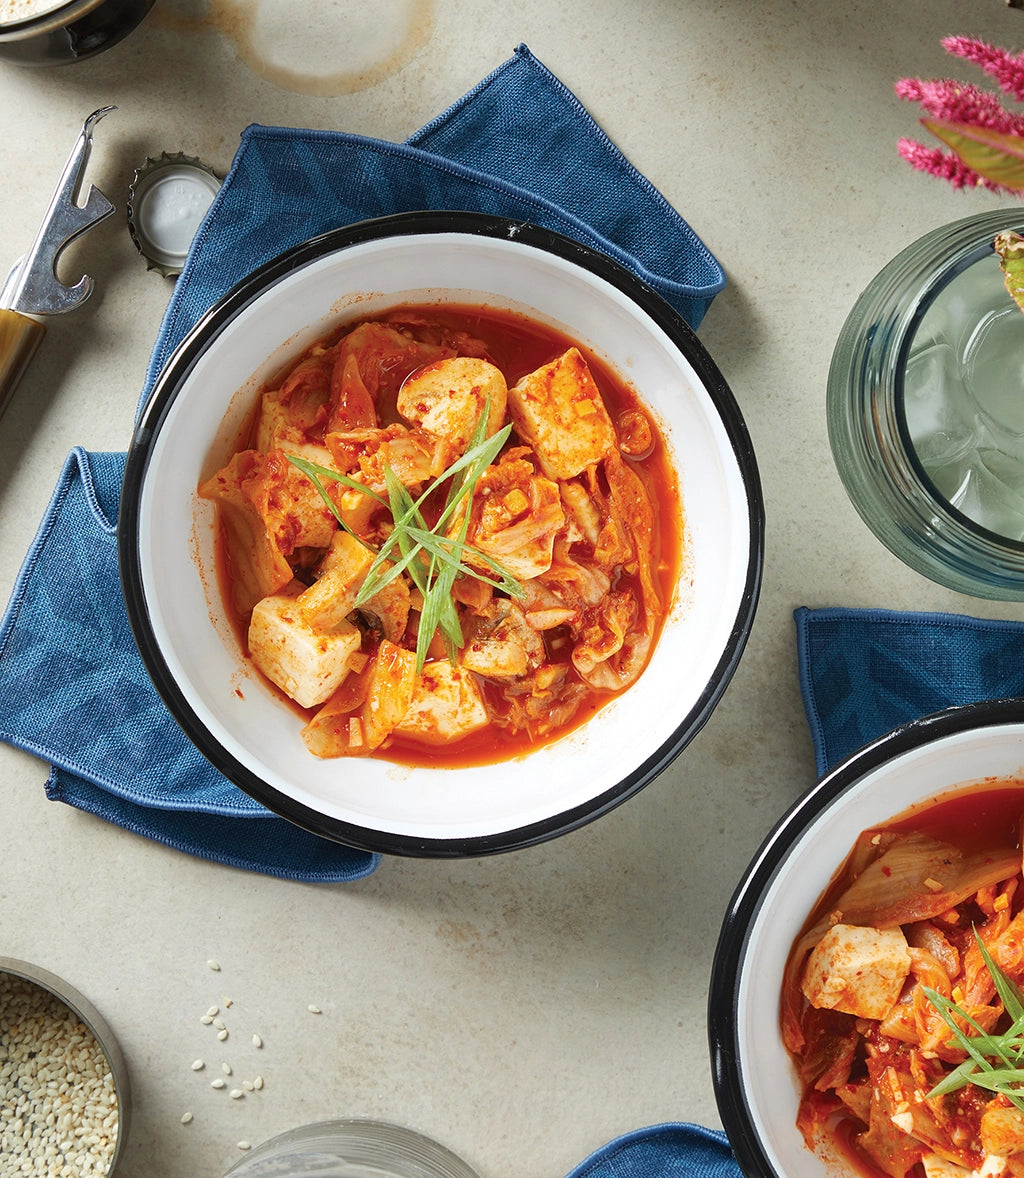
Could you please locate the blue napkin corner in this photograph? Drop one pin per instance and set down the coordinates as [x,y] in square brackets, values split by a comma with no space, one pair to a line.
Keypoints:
[658,1151]
[74,691]
[865,672]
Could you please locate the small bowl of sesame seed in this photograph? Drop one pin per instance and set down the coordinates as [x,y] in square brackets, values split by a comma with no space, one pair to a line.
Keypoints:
[64,1092]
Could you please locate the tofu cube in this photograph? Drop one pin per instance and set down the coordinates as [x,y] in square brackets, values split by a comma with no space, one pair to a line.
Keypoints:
[446,705]
[307,665]
[326,604]
[446,398]
[857,970]
[293,498]
[356,509]
[1002,1131]
[558,411]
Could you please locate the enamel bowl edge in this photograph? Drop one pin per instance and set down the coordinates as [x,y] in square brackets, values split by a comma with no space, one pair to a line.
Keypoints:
[166,534]
[756,1087]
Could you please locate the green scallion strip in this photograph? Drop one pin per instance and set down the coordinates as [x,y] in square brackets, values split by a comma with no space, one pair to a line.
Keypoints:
[995,1062]
[433,559]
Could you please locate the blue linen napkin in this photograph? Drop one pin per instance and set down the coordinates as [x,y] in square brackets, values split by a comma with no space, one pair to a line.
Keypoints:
[522,144]
[864,672]
[73,689]
[662,1150]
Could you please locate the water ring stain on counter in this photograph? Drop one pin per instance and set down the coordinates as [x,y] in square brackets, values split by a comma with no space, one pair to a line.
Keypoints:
[321,48]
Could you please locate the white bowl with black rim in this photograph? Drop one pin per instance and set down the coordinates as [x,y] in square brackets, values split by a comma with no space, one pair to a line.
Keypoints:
[756,1085]
[167,534]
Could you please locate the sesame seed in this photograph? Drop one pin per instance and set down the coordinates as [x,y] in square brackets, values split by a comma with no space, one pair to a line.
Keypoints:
[198,1065]
[214,965]
[226,1069]
[222,1035]
[219,1024]
[257,1041]
[206,1020]
[237,1093]
[57,1096]
[186,1118]
[220,1082]
[244,1145]
[248,1085]
[214,1010]
[314,1009]
[258,1083]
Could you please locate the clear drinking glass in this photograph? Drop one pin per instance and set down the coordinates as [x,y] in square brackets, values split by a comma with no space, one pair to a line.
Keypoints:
[926,409]
[351,1148]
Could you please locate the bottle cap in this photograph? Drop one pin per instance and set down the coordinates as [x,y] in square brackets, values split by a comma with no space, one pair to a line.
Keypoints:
[167,200]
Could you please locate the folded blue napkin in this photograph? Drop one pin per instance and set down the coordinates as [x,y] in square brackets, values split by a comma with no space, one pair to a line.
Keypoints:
[73,689]
[864,672]
[659,1151]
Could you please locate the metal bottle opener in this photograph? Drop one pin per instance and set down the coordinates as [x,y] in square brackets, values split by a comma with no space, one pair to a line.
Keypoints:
[32,287]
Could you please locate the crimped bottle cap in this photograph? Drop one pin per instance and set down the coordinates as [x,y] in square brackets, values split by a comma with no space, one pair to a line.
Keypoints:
[167,201]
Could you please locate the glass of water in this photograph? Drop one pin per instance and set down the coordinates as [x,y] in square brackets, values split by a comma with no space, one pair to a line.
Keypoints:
[926,409]
[350,1148]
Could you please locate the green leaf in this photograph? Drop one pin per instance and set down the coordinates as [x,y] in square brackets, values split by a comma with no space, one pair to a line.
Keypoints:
[958,1078]
[1010,248]
[993,154]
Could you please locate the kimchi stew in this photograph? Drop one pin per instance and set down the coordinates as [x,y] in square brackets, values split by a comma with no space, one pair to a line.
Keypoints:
[447,536]
[902,1007]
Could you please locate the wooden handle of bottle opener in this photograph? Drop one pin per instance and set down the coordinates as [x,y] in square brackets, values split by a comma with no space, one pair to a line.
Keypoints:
[19,338]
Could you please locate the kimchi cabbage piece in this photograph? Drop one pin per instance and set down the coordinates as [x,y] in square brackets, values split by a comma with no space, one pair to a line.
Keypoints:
[906,915]
[565,509]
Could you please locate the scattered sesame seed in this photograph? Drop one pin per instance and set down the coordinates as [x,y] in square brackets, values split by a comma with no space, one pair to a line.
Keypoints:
[257,1041]
[226,1069]
[248,1085]
[213,1011]
[222,1035]
[214,965]
[228,1002]
[258,1083]
[206,1020]
[237,1093]
[220,1082]
[219,1024]
[185,1118]
[244,1145]
[198,1065]
[314,1009]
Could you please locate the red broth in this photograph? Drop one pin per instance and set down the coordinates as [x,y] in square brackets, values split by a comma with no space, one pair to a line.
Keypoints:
[846,1062]
[518,346]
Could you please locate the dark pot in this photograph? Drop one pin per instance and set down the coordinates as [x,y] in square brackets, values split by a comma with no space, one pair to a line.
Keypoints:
[71,32]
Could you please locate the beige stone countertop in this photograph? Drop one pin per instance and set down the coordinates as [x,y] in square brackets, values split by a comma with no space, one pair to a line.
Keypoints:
[523,1009]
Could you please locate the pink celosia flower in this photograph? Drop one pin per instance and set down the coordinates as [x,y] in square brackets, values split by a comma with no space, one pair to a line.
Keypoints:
[959,102]
[1006,68]
[986,139]
[945,165]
